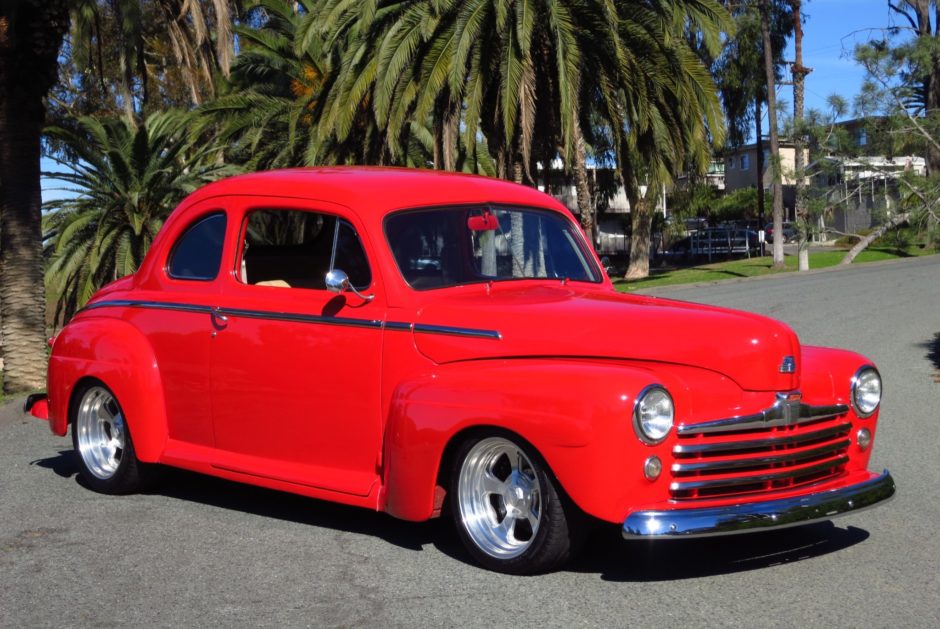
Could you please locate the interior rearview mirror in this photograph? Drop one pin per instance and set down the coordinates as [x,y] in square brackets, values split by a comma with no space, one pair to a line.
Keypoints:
[483,223]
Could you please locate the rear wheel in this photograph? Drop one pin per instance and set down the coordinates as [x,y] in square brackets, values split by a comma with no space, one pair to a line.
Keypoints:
[100,436]
[506,507]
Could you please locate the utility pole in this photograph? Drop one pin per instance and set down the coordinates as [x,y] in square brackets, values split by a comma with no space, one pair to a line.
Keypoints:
[774,137]
[759,183]
[799,77]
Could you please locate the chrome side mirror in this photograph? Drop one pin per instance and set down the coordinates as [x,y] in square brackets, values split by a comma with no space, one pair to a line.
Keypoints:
[338,282]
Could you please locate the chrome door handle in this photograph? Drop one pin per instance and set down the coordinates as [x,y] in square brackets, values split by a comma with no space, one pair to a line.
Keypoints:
[218,316]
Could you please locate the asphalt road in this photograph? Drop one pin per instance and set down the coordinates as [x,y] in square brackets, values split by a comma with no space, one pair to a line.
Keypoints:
[205,552]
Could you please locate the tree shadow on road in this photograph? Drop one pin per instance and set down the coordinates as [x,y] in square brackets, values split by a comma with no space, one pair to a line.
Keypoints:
[933,353]
[668,560]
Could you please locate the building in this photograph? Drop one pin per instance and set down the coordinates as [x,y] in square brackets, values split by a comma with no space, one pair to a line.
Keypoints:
[862,190]
[863,136]
[741,171]
[714,177]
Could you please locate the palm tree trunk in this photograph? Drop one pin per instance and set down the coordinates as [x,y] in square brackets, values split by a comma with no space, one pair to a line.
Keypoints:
[450,134]
[437,157]
[642,219]
[774,138]
[31,33]
[799,78]
[583,189]
[517,228]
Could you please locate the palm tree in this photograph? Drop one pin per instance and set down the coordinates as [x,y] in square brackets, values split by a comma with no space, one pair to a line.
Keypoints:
[505,73]
[294,100]
[126,180]
[31,35]
[273,101]
[193,38]
[526,75]
[679,117]
[31,32]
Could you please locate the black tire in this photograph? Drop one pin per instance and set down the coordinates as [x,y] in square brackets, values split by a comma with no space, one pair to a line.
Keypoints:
[556,535]
[98,430]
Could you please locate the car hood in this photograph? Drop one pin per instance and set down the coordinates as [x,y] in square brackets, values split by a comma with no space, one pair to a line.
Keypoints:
[567,321]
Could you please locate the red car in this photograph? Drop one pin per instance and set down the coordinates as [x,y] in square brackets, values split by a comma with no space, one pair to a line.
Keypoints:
[422,343]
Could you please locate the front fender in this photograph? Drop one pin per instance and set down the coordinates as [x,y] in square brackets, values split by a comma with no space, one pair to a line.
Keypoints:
[116,353]
[827,375]
[576,413]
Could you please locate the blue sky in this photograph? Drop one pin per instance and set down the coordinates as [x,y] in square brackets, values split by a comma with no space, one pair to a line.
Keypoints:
[832,30]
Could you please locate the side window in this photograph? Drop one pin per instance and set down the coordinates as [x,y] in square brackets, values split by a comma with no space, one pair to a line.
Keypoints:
[197,254]
[296,249]
[350,256]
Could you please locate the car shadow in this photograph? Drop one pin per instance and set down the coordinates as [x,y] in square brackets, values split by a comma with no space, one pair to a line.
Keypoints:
[269,503]
[605,553]
[64,463]
[669,560]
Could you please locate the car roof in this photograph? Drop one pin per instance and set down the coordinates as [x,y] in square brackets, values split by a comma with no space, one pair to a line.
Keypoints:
[377,190]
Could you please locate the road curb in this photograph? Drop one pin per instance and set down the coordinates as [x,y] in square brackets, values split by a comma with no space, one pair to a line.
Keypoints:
[775,276]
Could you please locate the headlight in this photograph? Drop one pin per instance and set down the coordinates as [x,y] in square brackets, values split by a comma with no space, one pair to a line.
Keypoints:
[653,414]
[866,391]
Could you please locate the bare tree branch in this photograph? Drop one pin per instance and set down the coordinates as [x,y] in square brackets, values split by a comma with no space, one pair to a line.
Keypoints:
[903,14]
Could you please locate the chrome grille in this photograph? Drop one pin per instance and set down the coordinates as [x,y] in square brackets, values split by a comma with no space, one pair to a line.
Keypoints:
[788,445]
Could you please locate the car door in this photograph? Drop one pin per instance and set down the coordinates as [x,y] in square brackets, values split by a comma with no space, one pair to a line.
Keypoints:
[296,368]
[174,316]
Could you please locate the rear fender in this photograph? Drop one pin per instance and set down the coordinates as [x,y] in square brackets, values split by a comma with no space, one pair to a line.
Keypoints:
[563,408]
[114,352]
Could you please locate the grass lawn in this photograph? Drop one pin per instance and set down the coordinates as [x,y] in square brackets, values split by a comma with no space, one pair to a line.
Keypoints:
[760,266]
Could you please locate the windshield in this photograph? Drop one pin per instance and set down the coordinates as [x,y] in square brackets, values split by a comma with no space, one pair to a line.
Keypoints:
[444,247]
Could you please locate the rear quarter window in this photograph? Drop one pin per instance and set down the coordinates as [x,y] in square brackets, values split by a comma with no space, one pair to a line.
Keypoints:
[197,253]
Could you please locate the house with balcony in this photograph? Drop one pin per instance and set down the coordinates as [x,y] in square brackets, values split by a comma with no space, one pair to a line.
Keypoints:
[862,191]
[741,171]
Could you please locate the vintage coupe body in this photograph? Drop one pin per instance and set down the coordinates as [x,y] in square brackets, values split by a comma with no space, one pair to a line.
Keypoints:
[414,341]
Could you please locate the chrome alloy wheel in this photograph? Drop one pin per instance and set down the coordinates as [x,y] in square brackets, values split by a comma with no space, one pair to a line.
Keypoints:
[101,432]
[500,498]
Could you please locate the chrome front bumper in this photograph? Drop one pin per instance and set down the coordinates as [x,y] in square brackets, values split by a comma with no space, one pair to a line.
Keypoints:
[757,516]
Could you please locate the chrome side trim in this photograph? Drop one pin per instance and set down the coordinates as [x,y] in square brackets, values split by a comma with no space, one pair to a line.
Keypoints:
[759,444]
[300,318]
[759,516]
[737,481]
[425,328]
[786,411]
[784,458]
[157,305]
[396,326]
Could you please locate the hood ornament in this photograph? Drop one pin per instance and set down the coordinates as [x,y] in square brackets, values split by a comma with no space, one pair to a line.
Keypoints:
[788,365]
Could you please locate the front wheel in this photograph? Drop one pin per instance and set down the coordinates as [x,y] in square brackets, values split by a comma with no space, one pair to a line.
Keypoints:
[106,458]
[506,507]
